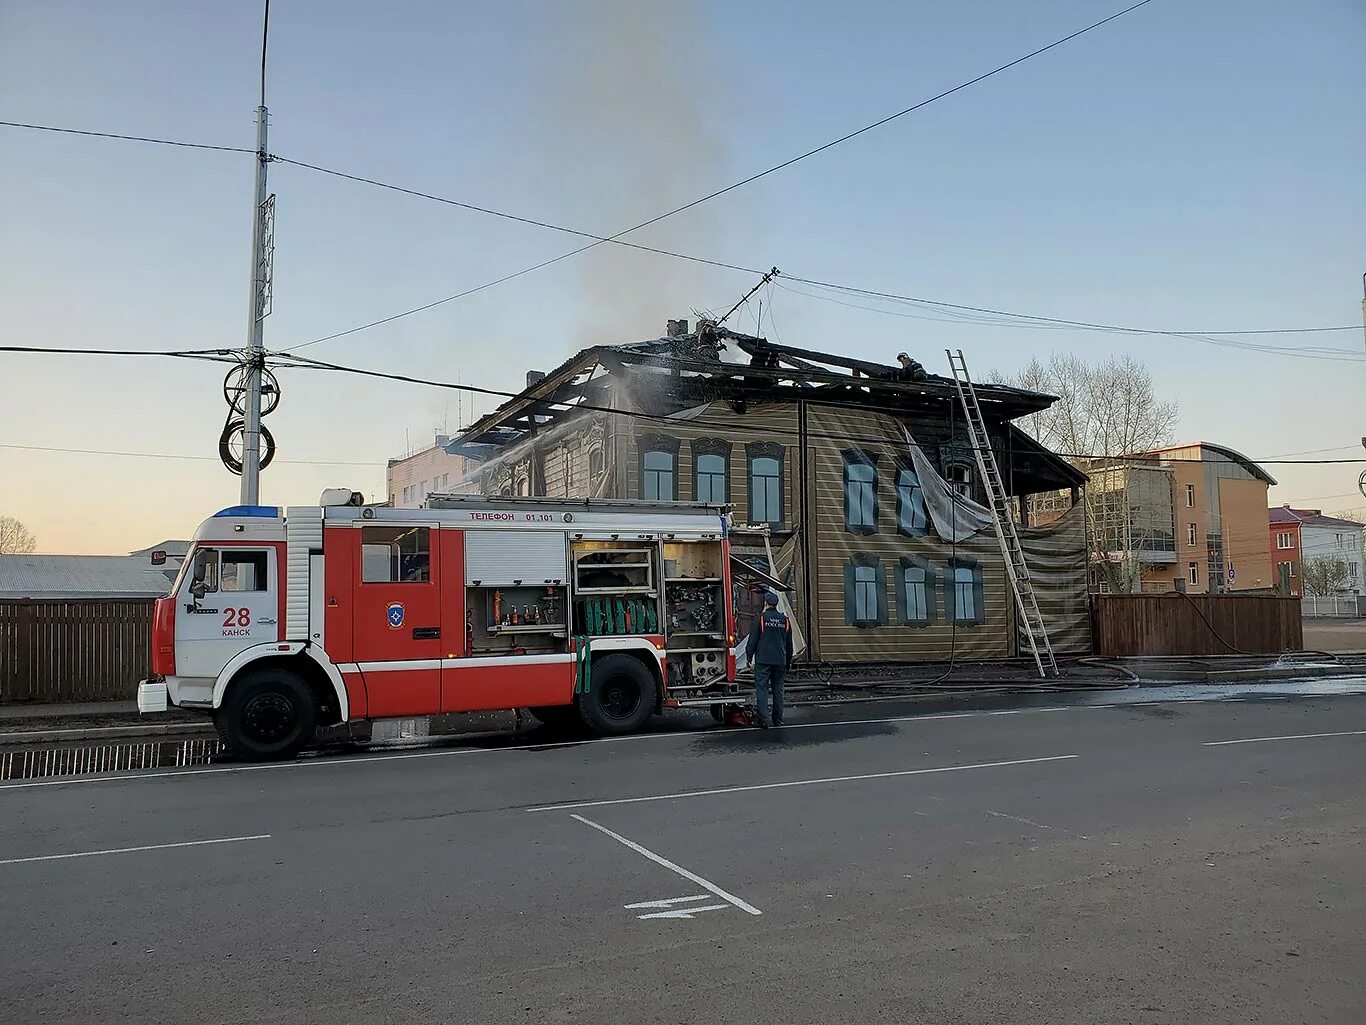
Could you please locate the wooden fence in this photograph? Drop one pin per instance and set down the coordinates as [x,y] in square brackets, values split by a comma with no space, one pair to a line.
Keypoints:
[94,649]
[1176,624]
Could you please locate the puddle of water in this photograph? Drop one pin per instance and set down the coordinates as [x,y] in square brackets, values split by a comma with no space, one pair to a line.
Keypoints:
[38,763]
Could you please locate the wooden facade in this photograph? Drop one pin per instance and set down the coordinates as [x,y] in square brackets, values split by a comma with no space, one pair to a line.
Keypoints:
[93,649]
[1201,624]
[813,433]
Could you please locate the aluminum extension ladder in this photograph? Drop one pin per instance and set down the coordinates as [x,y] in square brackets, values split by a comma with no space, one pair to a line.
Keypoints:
[1017,572]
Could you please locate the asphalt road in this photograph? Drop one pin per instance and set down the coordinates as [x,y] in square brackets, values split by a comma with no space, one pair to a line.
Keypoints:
[1032,861]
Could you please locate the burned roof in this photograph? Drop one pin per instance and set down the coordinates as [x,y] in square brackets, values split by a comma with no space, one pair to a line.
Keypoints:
[717,363]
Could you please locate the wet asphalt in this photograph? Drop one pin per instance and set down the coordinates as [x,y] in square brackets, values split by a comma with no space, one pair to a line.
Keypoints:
[1190,853]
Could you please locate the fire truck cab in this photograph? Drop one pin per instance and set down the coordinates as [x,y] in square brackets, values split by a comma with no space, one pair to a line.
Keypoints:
[600,612]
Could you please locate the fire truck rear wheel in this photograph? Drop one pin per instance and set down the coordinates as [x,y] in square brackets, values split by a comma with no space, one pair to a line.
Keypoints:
[267,715]
[622,695]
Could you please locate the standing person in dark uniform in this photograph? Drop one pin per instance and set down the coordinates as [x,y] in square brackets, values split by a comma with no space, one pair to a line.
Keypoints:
[770,650]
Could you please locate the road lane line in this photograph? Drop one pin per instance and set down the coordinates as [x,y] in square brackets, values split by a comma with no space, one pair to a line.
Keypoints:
[693,876]
[1017,818]
[1295,736]
[409,755]
[800,783]
[132,850]
[1025,711]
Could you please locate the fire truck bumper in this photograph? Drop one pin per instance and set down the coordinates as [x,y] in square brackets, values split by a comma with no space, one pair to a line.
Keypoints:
[152,695]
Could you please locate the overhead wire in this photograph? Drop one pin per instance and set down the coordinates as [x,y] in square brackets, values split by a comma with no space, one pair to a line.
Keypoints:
[301,362]
[600,240]
[126,138]
[179,455]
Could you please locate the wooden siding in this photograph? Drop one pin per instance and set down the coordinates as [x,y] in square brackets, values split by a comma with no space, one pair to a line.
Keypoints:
[834,430]
[1172,624]
[74,650]
[776,424]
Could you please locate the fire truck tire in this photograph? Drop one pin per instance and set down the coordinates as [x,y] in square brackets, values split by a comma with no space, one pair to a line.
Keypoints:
[268,715]
[622,695]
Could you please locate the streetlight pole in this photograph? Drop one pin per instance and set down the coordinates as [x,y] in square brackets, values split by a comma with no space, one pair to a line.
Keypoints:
[257,303]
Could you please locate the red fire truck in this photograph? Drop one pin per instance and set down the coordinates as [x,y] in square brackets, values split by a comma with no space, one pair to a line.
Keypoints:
[601,612]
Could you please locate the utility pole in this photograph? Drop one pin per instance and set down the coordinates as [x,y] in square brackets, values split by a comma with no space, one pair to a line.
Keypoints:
[258,306]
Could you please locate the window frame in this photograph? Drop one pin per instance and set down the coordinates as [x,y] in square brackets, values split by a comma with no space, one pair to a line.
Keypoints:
[661,444]
[967,483]
[906,496]
[1191,535]
[852,585]
[395,570]
[1285,540]
[766,450]
[702,448]
[850,458]
[1193,574]
[951,585]
[257,557]
[1190,496]
[597,464]
[929,586]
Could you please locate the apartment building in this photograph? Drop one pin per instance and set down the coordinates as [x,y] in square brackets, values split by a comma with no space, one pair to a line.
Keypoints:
[1300,536]
[1219,498]
[1190,517]
[413,477]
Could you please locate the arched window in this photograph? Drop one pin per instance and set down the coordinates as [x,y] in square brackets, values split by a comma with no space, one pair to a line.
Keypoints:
[910,503]
[711,471]
[860,492]
[865,589]
[915,591]
[658,468]
[963,592]
[765,482]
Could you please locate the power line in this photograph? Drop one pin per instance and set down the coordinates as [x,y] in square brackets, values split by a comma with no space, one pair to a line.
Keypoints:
[127,138]
[597,241]
[952,312]
[179,455]
[305,363]
[206,355]
[1211,337]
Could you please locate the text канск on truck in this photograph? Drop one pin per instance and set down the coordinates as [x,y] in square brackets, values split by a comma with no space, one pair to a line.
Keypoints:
[604,612]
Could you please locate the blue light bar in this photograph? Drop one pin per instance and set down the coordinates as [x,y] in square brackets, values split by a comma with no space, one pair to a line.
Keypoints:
[262,511]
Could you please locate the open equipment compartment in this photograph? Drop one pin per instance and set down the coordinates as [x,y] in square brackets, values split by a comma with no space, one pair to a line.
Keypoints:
[616,587]
[695,627]
[516,591]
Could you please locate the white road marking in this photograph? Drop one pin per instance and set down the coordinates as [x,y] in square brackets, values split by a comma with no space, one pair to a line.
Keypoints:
[800,783]
[666,902]
[406,756]
[687,912]
[133,850]
[1017,818]
[1025,711]
[1295,736]
[693,876]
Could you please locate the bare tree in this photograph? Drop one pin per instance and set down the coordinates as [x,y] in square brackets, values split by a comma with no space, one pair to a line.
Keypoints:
[1104,410]
[15,538]
[1323,575]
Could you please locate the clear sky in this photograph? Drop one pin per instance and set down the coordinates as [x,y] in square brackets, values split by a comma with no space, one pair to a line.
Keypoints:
[1192,166]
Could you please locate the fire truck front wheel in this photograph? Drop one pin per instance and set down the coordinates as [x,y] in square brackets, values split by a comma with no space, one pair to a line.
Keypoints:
[621,697]
[267,715]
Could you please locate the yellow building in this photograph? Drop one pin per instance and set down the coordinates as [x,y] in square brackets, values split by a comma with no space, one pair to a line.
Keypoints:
[1219,516]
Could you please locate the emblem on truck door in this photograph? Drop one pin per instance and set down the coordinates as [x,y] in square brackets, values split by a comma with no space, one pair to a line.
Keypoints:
[395,615]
